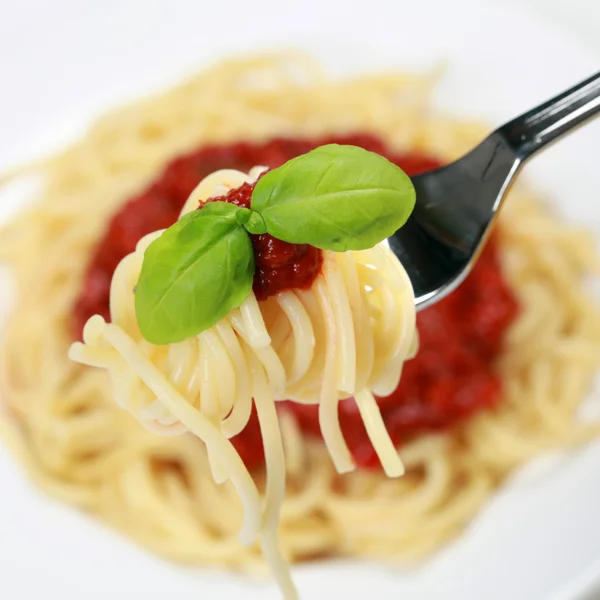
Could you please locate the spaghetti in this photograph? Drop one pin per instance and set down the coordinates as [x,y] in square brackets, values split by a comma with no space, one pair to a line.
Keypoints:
[348,334]
[61,418]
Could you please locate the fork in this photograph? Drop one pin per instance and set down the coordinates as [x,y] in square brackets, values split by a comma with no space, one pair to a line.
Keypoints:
[457,204]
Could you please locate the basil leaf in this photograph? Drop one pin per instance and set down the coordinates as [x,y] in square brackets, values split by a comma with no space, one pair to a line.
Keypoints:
[335,198]
[251,220]
[242,216]
[194,274]
[255,224]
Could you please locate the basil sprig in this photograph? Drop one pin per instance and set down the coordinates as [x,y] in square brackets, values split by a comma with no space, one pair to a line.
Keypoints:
[334,198]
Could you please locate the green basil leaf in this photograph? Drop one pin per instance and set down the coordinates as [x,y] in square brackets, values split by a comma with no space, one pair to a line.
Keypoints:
[242,216]
[255,224]
[251,220]
[335,198]
[194,274]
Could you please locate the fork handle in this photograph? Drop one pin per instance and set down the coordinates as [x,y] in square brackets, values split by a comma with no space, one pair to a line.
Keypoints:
[553,119]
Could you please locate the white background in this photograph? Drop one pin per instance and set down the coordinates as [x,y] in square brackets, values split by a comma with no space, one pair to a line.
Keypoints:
[62,61]
[579,18]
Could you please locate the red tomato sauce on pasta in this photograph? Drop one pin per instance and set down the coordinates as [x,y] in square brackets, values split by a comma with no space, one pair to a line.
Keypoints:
[279,265]
[453,375]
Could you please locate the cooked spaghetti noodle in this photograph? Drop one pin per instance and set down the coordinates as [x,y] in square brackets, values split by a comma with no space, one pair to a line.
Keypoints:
[348,335]
[64,425]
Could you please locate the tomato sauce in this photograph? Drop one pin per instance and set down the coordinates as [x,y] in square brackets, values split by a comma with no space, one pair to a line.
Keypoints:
[159,205]
[453,375]
[279,265]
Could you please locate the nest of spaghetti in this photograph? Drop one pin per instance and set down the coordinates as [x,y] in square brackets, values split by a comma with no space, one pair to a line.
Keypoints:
[77,444]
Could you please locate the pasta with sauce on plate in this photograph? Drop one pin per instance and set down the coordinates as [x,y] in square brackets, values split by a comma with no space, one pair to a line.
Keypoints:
[503,362]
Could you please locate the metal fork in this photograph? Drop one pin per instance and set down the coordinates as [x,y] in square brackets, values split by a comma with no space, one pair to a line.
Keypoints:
[457,204]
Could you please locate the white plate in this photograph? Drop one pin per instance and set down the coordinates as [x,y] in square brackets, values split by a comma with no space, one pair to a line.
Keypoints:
[64,61]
